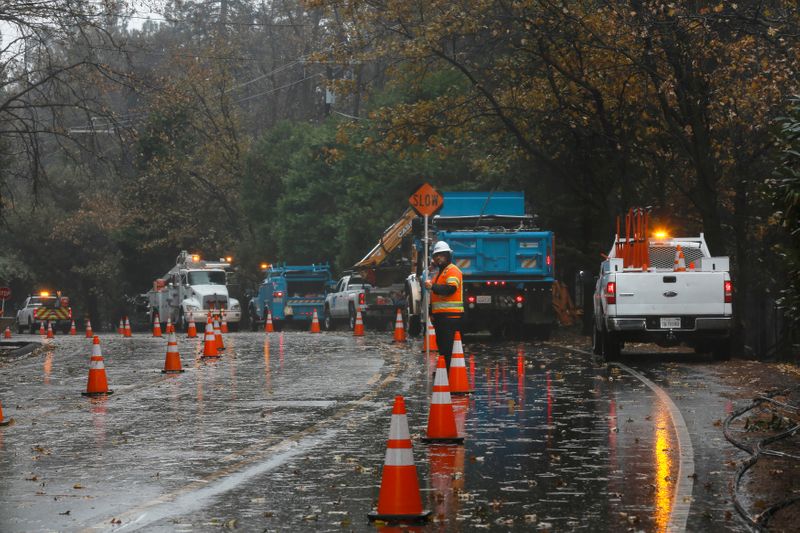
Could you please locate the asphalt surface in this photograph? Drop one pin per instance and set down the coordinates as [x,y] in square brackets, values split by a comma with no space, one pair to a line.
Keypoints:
[287,431]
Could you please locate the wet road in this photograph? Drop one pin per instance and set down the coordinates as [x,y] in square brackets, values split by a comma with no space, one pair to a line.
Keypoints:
[287,431]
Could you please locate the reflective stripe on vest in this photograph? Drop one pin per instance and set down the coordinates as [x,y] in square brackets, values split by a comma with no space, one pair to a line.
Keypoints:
[450,303]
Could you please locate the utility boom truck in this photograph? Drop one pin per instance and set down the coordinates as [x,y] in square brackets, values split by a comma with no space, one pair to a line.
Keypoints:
[665,290]
[192,289]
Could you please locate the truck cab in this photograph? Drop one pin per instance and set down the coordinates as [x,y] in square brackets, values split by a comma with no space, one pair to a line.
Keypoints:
[291,294]
[193,289]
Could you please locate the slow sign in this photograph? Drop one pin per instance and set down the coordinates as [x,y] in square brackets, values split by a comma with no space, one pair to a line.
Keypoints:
[426,200]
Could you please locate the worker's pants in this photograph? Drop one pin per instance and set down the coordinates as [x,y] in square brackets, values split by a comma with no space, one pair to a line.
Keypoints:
[446,327]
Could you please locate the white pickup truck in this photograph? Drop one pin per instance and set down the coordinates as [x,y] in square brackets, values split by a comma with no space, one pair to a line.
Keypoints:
[662,304]
[342,303]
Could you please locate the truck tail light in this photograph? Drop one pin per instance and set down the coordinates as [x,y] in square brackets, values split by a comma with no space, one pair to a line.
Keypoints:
[362,298]
[548,260]
[471,299]
[728,287]
[277,294]
[519,299]
[70,313]
[611,292]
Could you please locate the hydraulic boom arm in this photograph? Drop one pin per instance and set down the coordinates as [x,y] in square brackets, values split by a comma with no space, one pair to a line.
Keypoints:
[390,240]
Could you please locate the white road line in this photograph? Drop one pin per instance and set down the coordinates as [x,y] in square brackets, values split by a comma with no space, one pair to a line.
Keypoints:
[682,499]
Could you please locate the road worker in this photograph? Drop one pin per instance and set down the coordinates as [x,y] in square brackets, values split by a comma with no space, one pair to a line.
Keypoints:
[447,298]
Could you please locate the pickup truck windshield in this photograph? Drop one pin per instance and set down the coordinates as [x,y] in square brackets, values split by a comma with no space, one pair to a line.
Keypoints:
[305,288]
[207,277]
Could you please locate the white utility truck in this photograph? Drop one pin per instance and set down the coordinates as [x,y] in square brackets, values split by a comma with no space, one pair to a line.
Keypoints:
[191,289]
[663,290]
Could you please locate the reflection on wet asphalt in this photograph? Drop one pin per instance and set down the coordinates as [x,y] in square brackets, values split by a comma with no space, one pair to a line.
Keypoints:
[288,432]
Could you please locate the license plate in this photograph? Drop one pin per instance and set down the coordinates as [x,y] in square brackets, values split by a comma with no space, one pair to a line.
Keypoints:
[289,311]
[484,299]
[670,323]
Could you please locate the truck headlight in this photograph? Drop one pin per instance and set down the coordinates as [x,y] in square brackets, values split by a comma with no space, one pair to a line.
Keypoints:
[192,308]
[235,307]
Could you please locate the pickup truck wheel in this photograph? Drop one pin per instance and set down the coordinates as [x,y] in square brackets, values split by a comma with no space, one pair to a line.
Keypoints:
[611,345]
[20,329]
[597,347]
[352,317]
[327,319]
[32,327]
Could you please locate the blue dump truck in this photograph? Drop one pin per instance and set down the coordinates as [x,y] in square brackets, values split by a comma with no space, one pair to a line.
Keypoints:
[291,293]
[508,265]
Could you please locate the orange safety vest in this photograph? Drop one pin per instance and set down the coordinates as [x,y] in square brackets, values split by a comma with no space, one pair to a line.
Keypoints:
[451,303]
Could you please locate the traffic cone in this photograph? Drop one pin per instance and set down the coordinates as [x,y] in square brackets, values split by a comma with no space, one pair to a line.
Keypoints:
[170,325]
[268,327]
[121,328]
[50,333]
[127,327]
[191,331]
[218,336]
[42,331]
[358,328]
[89,333]
[156,325]
[399,499]
[459,383]
[223,326]
[399,329]
[210,340]
[680,260]
[72,330]
[430,338]
[7,333]
[2,421]
[172,364]
[441,419]
[315,323]
[98,384]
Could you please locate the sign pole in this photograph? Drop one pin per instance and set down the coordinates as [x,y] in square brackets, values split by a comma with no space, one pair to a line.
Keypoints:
[425,300]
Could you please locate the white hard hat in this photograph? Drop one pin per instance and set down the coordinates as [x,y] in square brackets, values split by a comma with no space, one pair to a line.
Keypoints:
[440,247]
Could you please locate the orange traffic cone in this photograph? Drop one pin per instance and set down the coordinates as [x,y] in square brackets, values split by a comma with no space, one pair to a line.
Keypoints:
[121,328]
[459,383]
[156,325]
[223,326]
[218,336]
[89,333]
[98,384]
[268,327]
[191,331]
[170,325]
[430,338]
[399,329]
[358,328]
[72,330]
[315,323]
[2,421]
[50,333]
[399,499]
[172,364]
[441,419]
[680,260]
[210,340]
[7,333]
[127,327]
[42,331]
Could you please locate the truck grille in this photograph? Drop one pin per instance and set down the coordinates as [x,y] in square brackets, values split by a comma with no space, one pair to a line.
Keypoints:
[215,302]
